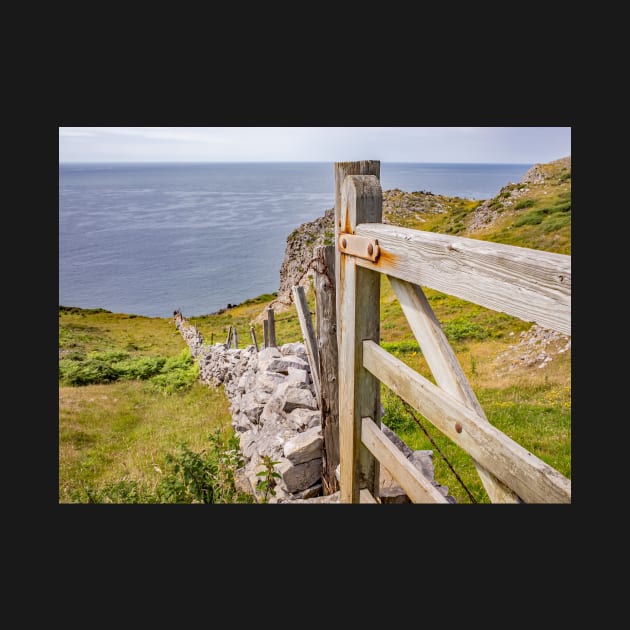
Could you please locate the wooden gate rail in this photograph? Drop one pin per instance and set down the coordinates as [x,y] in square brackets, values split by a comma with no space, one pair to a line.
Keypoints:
[530,284]
[531,479]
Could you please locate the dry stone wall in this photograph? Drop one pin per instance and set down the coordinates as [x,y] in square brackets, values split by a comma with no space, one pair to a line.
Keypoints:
[274,412]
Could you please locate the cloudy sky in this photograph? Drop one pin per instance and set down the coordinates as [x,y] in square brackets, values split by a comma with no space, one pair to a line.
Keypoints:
[512,145]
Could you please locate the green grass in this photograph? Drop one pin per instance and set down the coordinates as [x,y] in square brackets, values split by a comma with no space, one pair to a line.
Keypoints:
[165,374]
[524,203]
[124,411]
[537,417]
[98,330]
[115,439]
[126,431]
[401,347]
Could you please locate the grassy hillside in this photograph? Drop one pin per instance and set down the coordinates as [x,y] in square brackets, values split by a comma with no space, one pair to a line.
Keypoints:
[128,396]
[535,212]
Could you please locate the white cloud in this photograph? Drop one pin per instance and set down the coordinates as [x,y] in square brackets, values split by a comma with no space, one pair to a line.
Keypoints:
[392,144]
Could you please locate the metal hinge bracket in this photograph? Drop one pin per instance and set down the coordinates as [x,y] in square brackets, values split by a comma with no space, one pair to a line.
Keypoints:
[359,246]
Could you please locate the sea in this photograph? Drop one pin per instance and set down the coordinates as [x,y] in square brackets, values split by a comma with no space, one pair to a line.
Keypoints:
[147,239]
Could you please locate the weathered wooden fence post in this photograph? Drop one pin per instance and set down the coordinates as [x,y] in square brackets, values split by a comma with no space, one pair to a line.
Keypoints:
[358,319]
[235,338]
[271,328]
[308,332]
[326,326]
[253,334]
[265,333]
[364,167]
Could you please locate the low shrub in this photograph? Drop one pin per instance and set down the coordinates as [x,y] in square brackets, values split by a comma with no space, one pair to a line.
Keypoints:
[462,328]
[524,203]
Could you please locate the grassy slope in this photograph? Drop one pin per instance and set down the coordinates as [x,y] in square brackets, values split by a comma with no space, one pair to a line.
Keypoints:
[540,216]
[123,430]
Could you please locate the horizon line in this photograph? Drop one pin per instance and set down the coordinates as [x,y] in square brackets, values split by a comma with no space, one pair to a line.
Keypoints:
[285,162]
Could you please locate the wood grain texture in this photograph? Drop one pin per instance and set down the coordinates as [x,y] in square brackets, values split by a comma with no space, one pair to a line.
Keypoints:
[528,476]
[308,333]
[326,335]
[445,368]
[417,487]
[359,319]
[340,170]
[529,284]
[271,328]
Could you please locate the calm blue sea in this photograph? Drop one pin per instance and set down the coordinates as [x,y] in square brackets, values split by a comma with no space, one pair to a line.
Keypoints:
[147,239]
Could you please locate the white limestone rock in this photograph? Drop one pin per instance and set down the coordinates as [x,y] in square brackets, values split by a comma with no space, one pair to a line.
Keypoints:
[303,419]
[297,398]
[298,377]
[304,446]
[283,364]
[301,476]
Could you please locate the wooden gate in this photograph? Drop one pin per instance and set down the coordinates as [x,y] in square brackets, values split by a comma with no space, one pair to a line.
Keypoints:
[530,284]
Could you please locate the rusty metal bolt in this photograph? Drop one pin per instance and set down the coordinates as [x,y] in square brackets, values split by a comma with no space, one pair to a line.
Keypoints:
[458,427]
[344,243]
[370,249]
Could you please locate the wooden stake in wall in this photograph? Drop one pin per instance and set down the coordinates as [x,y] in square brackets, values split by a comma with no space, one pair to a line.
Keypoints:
[272,328]
[326,335]
[308,332]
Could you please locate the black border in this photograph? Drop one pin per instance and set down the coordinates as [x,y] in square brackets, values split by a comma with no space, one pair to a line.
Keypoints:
[469,536]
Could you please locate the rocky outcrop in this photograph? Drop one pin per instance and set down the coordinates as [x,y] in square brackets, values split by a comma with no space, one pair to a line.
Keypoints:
[535,347]
[489,210]
[399,205]
[540,173]
[296,267]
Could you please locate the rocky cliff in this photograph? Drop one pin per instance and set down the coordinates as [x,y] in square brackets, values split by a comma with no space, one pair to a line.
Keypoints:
[398,207]
[296,266]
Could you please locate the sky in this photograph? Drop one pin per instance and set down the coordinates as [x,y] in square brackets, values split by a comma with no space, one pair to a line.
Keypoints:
[509,145]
